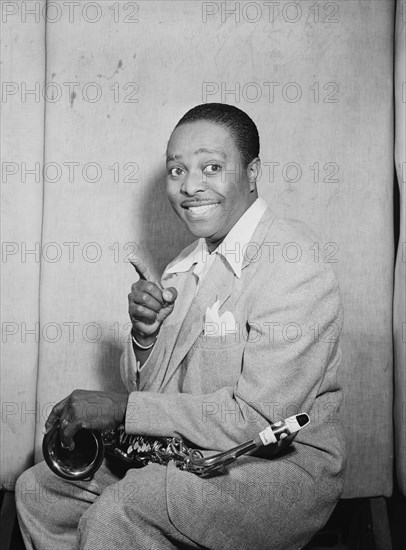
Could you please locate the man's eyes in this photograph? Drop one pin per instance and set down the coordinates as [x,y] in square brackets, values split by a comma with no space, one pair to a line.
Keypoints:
[175,172]
[211,169]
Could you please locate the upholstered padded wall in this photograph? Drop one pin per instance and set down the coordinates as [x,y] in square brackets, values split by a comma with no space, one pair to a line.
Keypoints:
[22,139]
[399,310]
[319,85]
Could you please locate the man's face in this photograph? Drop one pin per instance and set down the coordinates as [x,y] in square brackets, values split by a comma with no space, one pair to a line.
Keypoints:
[206,183]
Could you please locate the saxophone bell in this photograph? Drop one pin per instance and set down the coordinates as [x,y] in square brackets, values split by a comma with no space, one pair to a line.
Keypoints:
[82,462]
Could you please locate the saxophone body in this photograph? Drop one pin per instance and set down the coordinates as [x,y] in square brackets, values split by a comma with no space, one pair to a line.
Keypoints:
[136,451]
[92,446]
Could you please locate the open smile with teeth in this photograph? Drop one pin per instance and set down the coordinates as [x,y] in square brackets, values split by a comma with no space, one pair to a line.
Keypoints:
[201,210]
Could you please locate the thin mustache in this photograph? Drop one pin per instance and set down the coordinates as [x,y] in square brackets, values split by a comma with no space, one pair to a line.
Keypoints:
[198,202]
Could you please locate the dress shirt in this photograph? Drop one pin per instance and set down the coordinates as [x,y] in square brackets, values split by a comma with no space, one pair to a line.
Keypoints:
[233,247]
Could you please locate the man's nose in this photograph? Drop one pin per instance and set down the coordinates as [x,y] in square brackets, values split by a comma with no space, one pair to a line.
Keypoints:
[193,183]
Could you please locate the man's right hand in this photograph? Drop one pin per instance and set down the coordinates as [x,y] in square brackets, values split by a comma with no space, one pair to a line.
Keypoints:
[148,306]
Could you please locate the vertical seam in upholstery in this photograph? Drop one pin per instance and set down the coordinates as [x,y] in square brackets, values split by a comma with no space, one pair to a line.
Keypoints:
[38,411]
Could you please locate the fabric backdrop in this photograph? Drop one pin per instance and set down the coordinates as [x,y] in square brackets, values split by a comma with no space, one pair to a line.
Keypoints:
[399,320]
[319,84]
[22,144]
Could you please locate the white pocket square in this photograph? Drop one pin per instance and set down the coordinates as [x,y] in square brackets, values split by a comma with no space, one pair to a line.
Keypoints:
[218,325]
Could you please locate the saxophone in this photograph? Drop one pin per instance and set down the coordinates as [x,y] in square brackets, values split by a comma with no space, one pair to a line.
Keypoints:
[136,451]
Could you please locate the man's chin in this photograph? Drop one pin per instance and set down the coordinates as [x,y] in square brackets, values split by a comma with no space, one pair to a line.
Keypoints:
[199,232]
[200,228]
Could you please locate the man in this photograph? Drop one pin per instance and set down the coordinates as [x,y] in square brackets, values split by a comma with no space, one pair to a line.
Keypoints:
[243,332]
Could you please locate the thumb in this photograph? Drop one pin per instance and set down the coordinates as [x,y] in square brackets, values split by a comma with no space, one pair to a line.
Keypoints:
[169,295]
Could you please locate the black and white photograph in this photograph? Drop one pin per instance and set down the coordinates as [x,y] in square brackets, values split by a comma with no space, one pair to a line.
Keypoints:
[203,275]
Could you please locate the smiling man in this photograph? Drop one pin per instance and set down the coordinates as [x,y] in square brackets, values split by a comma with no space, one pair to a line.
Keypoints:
[234,337]
[210,183]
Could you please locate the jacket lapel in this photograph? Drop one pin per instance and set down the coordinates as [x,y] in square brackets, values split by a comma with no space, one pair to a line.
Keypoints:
[185,284]
[258,238]
[212,289]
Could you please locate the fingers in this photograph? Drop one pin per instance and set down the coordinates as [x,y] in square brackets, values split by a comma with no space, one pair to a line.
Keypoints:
[141,313]
[148,289]
[89,409]
[142,269]
[148,294]
[142,307]
[147,303]
[55,414]
[67,429]
[147,300]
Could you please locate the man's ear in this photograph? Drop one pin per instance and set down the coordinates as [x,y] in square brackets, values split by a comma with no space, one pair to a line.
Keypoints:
[253,173]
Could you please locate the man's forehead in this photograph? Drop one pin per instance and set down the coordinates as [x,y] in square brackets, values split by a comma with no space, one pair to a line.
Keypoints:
[200,135]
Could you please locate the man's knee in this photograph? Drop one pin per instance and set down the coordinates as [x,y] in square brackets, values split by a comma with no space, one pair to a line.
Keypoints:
[39,486]
[110,513]
[28,487]
[108,508]
[101,518]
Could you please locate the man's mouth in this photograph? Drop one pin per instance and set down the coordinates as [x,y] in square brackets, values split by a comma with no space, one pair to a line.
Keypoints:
[200,211]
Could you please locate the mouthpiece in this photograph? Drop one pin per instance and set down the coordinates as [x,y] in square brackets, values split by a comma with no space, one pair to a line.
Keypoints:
[281,429]
[302,419]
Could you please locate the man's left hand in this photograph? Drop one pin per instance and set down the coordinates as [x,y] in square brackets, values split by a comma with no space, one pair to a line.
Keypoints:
[95,410]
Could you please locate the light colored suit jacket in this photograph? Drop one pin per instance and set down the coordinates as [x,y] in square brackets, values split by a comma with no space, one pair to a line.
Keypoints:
[217,391]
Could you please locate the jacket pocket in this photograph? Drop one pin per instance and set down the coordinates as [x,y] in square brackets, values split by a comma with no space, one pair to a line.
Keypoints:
[225,341]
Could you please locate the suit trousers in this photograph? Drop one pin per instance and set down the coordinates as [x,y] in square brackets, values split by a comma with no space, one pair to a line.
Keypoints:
[104,513]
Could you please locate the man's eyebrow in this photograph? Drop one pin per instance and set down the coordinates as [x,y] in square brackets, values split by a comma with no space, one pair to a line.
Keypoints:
[200,150]
[205,150]
[173,157]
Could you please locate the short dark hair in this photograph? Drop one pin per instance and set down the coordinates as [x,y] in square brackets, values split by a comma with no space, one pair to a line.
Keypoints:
[242,127]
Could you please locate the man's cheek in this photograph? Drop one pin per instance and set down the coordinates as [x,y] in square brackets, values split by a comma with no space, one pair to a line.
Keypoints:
[173,202]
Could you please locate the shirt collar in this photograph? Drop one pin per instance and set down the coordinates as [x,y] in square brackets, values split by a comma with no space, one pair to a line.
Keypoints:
[233,247]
